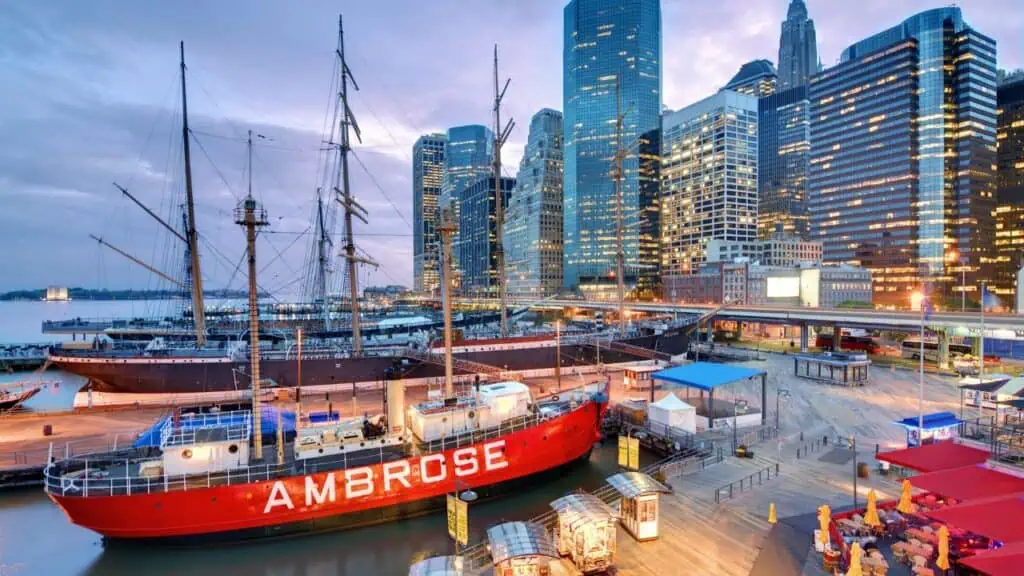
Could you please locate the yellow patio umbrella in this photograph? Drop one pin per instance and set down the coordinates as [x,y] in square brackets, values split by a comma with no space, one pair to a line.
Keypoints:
[871,516]
[824,517]
[855,554]
[943,561]
[905,506]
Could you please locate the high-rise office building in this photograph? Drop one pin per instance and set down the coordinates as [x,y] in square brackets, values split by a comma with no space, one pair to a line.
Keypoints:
[756,78]
[427,177]
[903,141]
[798,47]
[709,178]
[784,145]
[610,47]
[467,159]
[1008,256]
[478,234]
[533,219]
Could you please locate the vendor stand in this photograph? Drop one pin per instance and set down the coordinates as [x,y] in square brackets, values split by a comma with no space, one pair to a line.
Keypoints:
[639,506]
[586,531]
[520,549]
[935,427]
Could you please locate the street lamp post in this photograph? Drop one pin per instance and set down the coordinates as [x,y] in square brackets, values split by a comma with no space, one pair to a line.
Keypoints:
[783,393]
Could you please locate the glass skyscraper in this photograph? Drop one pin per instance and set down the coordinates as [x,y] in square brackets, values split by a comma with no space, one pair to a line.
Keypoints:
[610,44]
[757,78]
[427,177]
[1009,212]
[478,233]
[783,155]
[533,219]
[903,141]
[709,179]
[468,157]
[798,47]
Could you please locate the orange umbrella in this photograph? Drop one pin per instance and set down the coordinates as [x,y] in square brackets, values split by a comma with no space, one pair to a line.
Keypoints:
[943,561]
[855,554]
[871,516]
[905,506]
[824,518]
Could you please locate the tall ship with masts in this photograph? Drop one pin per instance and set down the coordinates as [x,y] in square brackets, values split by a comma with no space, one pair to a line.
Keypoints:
[203,367]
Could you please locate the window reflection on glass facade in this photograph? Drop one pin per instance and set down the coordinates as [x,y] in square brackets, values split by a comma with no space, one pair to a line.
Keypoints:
[468,156]
[427,177]
[903,141]
[610,42]
[533,219]
[709,179]
[756,78]
[1009,212]
[477,250]
[784,145]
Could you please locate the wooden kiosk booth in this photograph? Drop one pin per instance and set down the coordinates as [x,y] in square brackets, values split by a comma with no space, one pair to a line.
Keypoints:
[586,531]
[437,566]
[521,549]
[639,507]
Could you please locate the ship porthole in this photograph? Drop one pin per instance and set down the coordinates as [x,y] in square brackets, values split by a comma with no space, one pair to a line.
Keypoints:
[233,449]
[186,454]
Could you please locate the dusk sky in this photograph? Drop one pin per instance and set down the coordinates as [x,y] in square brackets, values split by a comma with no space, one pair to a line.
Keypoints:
[90,96]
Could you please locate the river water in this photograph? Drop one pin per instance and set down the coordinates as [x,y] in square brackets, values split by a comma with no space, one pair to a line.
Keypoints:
[36,538]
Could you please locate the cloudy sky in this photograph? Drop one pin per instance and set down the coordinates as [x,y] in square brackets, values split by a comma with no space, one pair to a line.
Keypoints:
[90,97]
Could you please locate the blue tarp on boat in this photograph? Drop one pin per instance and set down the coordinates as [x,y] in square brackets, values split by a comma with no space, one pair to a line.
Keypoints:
[268,420]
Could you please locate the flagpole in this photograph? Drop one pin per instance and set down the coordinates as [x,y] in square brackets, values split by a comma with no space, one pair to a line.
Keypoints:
[920,387]
[981,354]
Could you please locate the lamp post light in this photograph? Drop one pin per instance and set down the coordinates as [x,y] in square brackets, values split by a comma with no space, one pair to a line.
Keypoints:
[783,393]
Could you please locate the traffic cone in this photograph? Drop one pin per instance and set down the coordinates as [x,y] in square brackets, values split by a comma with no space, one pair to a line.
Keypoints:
[771,513]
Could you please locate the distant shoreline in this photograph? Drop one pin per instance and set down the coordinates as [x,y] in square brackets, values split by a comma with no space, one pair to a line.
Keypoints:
[116,295]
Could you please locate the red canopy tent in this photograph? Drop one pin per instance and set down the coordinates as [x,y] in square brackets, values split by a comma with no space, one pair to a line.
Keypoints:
[936,456]
[994,518]
[1005,561]
[969,483]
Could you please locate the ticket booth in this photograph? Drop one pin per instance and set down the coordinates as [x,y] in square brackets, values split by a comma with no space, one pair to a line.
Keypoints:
[586,532]
[639,507]
[437,566]
[521,549]
[639,377]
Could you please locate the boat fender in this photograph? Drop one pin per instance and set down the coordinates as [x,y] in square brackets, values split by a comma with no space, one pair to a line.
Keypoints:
[471,414]
[554,398]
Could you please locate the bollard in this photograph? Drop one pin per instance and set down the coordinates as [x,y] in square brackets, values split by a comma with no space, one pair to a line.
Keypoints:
[772,519]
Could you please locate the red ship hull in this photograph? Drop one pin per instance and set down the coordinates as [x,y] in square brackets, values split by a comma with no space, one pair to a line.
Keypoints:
[348,497]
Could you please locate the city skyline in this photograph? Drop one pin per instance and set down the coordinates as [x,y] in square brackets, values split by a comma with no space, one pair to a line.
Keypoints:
[105,84]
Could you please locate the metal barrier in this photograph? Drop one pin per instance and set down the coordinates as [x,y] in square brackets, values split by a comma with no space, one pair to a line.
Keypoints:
[747,482]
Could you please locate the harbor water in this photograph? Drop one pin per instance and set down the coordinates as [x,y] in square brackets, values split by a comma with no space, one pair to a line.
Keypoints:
[36,538]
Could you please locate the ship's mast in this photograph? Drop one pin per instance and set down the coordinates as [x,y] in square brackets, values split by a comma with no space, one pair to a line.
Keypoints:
[251,215]
[322,252]
[348,202]
[500,136]
[620,255]
[446,229]
[198,308]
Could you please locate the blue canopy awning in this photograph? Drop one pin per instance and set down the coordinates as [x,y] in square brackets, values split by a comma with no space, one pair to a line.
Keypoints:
[706,375]
[932,421]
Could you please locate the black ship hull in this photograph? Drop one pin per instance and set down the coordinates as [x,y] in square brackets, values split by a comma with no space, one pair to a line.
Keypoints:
[182,375]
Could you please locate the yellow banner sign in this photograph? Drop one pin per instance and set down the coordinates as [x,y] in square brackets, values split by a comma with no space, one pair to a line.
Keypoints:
[623,451]
[462,521]
[634,453]
[451,515]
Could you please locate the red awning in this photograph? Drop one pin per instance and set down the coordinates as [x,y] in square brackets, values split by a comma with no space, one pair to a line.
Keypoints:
[994,518]
[1005,561]
[969,483]
[937,456]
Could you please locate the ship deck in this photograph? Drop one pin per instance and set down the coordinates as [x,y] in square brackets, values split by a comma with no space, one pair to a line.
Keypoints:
[123,472]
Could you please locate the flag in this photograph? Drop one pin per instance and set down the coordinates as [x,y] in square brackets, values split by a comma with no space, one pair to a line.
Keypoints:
[927,309]
[988,299]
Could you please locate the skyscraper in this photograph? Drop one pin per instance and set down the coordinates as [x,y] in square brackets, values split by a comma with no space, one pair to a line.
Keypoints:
[468,156]
[798,47]
[533,219]
[709,178]
[427,177]
[478,234]
[611,46]
[1008,256]
[902,146]
[756,78]
[783,156]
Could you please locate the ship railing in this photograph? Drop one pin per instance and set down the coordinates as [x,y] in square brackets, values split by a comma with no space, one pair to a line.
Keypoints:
[482,435]
[182,431]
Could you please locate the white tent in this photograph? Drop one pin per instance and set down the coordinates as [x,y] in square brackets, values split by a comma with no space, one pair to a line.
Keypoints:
[671,411]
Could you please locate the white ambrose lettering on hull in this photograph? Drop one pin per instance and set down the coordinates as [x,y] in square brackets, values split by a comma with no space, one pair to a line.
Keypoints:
[361,481]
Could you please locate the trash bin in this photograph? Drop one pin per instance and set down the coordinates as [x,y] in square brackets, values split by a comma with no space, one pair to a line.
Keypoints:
[47,429]
[863,471]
